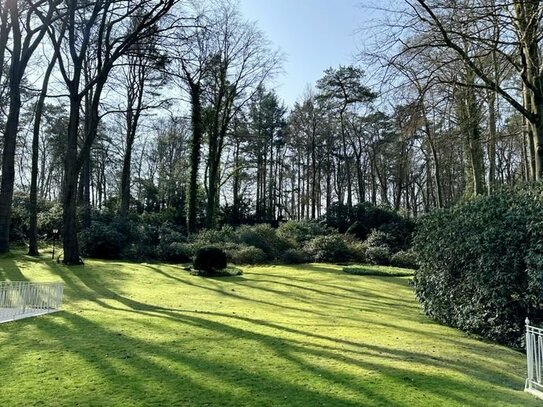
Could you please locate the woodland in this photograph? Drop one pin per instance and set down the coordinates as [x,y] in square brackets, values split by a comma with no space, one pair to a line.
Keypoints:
[168,107]
[379,241]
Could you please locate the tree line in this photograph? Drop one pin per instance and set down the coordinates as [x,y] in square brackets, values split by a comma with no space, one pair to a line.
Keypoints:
[168,106]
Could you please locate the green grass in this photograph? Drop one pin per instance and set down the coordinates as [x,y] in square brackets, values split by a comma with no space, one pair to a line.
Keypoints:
[311,335]
[385,271]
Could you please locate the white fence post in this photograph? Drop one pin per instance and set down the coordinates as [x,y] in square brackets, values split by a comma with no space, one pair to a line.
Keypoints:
[23,299]
[534,360]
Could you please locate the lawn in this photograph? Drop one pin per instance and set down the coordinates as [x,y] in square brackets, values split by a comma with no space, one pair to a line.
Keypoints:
[310,335]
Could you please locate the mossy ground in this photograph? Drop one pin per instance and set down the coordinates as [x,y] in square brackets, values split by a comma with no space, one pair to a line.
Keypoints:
[310,335]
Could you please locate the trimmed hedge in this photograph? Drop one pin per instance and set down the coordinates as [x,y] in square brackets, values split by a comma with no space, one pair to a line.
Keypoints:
[481,263]
[380,272]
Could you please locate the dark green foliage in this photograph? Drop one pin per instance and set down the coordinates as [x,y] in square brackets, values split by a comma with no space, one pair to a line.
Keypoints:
[49,219]
[357,249]
[384,272]
[339,217]
[376,238]
[102,241]
[481,263]
[332,248]
[300,232]
[215,237]
[242,254]
[360,220]
[378,247]
[378,255]
[295,256]
[176,252]
[400,233]
[405,259]
[265,238]
[209,259]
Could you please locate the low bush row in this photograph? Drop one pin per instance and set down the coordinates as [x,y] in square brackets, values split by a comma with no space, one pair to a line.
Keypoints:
[364,233]
[291,243]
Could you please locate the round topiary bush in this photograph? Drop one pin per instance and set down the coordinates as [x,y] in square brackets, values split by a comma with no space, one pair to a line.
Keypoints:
[209,259]
[480,263]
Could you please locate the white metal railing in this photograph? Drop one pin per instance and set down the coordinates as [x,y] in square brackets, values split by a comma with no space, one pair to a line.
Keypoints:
[22,299]
[534,359]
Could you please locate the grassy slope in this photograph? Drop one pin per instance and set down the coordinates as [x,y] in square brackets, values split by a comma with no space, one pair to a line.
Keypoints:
[153,335]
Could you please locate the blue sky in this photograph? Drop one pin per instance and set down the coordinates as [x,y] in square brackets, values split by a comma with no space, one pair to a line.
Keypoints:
[314,35]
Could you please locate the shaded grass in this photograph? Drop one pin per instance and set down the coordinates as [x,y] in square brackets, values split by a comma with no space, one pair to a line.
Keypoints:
[153,335]
[371,270]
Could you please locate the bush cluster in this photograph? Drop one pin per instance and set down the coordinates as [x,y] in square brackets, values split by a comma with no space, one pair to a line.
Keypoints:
[331,248]
[363,218]
[481,263]
[372,234]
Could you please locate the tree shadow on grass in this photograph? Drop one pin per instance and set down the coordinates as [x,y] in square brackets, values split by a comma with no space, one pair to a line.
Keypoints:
[10,271]
[305,368]
[209,377]
[99,290]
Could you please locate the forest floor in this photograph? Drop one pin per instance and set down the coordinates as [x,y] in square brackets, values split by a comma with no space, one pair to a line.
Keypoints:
[309,335]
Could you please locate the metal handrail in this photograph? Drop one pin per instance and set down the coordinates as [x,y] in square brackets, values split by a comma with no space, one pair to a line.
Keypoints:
[22,299]
[534,359]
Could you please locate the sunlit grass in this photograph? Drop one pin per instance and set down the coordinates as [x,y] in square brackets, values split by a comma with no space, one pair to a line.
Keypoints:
[154,335]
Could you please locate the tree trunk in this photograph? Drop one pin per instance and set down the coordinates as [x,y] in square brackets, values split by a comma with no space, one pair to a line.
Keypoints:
[8,161]
[197,132]
[33,198]
[69,192]
[492,141]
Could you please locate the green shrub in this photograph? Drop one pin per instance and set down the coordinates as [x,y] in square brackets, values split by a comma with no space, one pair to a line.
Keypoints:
[50,219]
[102,241]
[373,271]
[332,248]
[377,238]
[265,238]
[378,255]
[481,263]
[300,232]
[399,232]
[362,218]
[246,255]
[295,256]
[176,252]
[404,259]
[215,237]
[209,259]
[358,250]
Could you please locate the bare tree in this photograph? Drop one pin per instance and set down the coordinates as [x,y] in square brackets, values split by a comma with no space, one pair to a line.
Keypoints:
[519,43]
[104,29]
[27,31]
[241,61]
